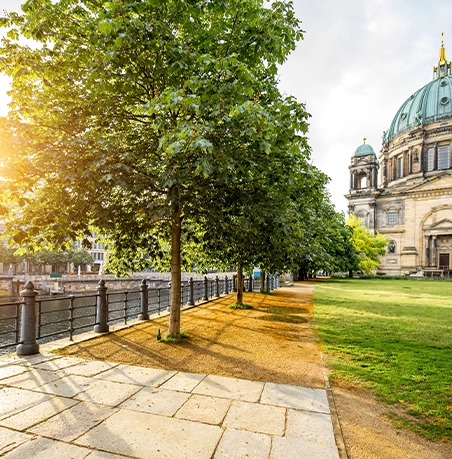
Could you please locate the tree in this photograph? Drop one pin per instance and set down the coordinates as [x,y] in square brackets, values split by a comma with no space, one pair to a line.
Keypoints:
[131,118]
[8,254]
[367,245]
[328,243]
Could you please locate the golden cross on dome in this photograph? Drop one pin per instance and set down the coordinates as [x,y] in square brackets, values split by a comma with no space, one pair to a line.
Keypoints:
[364,139]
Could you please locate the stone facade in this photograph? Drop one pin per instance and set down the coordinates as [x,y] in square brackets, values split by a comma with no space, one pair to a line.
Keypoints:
[412,203]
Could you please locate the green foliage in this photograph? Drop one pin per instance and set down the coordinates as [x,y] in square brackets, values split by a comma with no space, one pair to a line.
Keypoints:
[392,336]
[324,241]
[170,339]
[146,120]
[367,245]
[8,254]
[240,306]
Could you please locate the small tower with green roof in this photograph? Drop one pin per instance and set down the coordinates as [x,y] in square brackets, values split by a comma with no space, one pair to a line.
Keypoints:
[363,184]
[363,169]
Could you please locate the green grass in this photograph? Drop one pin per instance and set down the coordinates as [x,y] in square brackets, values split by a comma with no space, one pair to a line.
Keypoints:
[240,306]
[169,339]
[393,336]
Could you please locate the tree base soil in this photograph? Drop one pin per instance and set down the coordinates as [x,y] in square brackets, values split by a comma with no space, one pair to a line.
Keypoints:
[272,342]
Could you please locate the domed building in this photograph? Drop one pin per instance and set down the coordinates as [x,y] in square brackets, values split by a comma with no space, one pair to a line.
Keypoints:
[412,203]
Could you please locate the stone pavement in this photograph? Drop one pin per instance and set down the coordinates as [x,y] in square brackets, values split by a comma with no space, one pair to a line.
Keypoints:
[59,407]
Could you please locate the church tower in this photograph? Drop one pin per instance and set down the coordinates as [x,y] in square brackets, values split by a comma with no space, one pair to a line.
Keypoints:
[364,185]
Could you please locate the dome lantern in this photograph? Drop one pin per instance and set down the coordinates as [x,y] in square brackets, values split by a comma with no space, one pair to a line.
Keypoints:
[443,67]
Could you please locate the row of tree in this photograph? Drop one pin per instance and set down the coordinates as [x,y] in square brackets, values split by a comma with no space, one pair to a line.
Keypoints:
[160,126]
[11,255]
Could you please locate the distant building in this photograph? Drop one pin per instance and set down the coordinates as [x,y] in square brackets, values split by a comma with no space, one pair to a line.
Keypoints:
[412,201]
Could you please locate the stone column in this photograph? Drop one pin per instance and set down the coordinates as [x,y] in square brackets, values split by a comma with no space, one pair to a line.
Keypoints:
[427,251]
[434,260]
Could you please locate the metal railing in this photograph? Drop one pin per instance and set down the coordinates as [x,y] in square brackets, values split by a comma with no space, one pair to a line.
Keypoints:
[25,322]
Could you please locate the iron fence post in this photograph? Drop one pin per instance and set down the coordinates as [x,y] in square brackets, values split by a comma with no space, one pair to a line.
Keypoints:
[28,345]
[71,317]
[101,309]
[217,287]
[191,292]
[267,282]
[250,285]
[144,314]
[234,282]
[226,285]
[206,287]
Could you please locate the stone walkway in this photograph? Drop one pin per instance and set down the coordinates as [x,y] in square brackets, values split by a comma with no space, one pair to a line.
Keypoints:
[60,407]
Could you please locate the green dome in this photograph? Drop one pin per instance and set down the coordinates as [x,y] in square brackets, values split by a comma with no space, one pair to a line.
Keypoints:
[428,105]
[364,150]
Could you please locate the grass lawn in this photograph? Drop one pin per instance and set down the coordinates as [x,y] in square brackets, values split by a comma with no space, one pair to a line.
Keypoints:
[393,336]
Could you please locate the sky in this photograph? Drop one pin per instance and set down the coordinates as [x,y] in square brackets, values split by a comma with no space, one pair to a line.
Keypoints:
[358,62]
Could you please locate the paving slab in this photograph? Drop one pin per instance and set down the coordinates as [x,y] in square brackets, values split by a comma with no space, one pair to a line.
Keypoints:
[87,368]
[146,435]
[256,418]
[232,388]
[67,386]
[286,447]
[107,392]
[38,413]
[103,455]
[6,371]
[73,422]
[182,381]
[239,444]
[66,407]
[10,439]
[44,448]
[301,398]
[27,360]
[32,378]
[156,401]
[200,408]
[16,400]
[313,427]
[138,375]
[58,363]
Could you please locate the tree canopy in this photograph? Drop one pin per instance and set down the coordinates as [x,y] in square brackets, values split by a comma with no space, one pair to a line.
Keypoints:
[141,119]
[367,245]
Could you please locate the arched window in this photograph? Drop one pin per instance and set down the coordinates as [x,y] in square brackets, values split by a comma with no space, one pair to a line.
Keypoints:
[362,180]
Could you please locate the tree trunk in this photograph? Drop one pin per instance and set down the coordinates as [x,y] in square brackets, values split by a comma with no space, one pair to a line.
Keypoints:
[174,320]
[263,275]
[239,285]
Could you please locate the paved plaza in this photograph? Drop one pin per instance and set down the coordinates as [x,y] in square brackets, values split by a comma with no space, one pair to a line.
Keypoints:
[63,407]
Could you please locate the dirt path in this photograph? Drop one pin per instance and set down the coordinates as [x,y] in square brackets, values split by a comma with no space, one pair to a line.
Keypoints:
[272,342]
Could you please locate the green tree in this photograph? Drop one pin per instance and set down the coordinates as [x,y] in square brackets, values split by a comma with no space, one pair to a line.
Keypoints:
[367,245]
[131,118]
[79,257]
[8,254]
[55,258]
